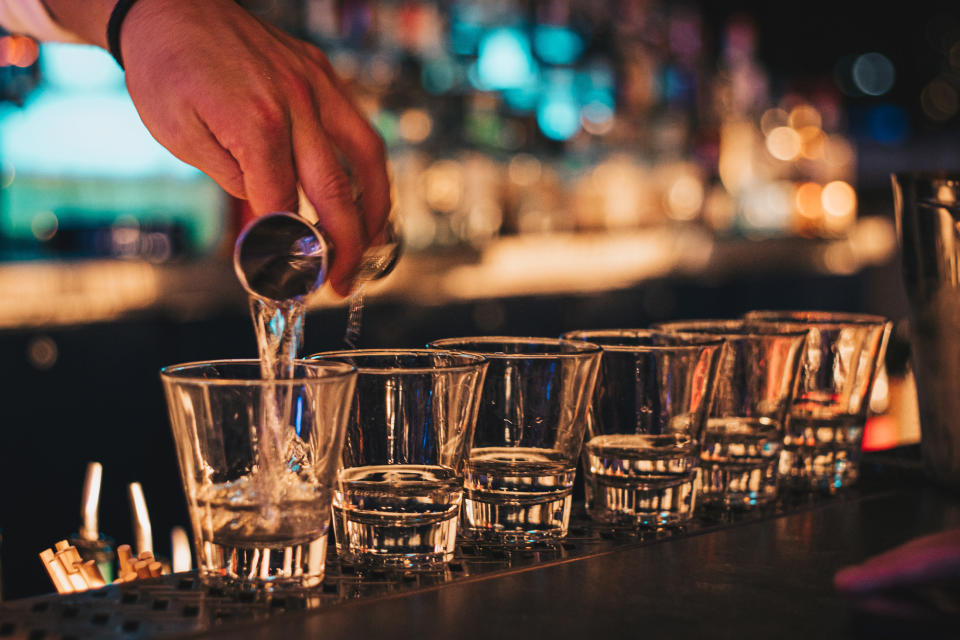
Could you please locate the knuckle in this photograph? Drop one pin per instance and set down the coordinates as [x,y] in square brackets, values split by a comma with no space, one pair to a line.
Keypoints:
[299,89]
[271,115]
[335,186]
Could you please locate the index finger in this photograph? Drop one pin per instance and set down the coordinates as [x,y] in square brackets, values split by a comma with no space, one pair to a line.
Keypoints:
[328,189]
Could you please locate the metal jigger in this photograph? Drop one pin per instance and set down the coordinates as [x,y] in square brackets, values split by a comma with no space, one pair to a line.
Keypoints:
[282,256]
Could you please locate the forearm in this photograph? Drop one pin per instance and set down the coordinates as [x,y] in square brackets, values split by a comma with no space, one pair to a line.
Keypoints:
[86,18]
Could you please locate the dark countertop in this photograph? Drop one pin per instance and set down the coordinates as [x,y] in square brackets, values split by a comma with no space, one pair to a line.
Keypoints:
[766,575]
[770,579]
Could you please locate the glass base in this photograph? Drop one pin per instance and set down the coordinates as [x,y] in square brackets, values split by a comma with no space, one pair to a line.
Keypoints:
[516,522]
[654,501]
[300,564]
[395,541]
[821,469]
[740,485]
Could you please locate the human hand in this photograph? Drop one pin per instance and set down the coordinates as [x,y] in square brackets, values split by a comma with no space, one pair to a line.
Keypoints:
[260,112]
[924,560]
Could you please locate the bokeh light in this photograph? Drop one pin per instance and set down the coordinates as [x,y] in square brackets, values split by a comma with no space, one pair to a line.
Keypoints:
[812,142]
[44,225]
[808,201]
[684,198]
[767,206]
[784,143]
[557,45]
[804,115]
[873,74]
[839,199]
[415,125]
[939,100]
[888,123]
[558,114]
[597,118]
[773,118]
[18,51]
[505,60]
[443,185]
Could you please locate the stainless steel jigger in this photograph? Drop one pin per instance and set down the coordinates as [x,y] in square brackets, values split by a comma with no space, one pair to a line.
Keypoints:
[282,256]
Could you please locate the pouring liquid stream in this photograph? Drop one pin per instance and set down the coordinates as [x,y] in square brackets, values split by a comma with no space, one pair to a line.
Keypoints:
[281,259]
[279,331]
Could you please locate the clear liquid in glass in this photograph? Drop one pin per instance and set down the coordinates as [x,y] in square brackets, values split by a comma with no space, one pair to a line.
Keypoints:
[399,516]
[242,542]
[516,495]
[740,460]
[822,452]
[641,480]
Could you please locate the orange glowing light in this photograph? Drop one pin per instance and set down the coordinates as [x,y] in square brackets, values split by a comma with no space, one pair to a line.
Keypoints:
[415,125]
[773,118]
[805,115]
[684,198]
[6,50]
[808,201]
[839,199]
[524,170]
[18,51]
[443,185]
[812,142]
[784,143]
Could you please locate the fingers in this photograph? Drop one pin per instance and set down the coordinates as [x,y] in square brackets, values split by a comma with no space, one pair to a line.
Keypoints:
[196,146]
[262,148]
[327,187]
[352,134]
[366,154]
[358,141]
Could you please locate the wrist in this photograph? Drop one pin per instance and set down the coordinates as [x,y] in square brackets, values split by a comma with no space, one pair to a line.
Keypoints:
[86,18]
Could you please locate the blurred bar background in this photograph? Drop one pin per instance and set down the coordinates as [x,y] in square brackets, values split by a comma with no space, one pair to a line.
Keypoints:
[556,165]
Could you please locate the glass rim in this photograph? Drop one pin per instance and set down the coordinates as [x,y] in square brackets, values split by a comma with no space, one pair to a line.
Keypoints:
[468,361]
[703,327]
[816,318]
[580,348]
[932,174]
[703,340]
[181,372]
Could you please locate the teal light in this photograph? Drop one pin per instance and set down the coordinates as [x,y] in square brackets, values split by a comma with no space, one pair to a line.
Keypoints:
[78,67]
[557,45]
[80,122]
[523,99]
[505,60]
[558,116]
[438,75]
[83,135]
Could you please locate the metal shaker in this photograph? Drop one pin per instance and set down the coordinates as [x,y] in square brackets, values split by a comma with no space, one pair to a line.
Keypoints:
[927,209]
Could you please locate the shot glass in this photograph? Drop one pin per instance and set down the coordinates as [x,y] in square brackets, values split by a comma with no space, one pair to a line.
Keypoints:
[824,432]
[410,428]
[744,436]
[641,458]
[258,459]
[519,477]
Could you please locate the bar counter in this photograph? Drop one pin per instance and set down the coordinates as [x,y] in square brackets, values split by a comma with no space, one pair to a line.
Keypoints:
[764,574]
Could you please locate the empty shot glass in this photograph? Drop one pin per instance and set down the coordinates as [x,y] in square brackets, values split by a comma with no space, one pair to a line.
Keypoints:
[410,429]
[258,460]
[519,477]
[744,436]
[641,458]
[824,434]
